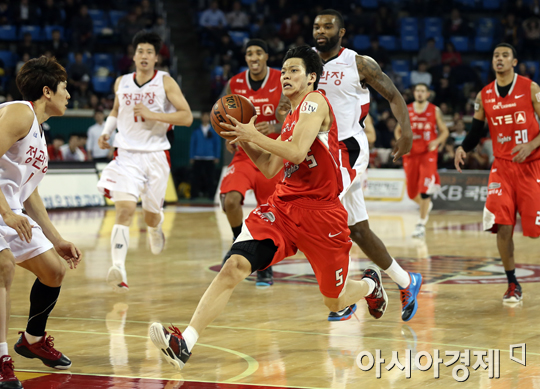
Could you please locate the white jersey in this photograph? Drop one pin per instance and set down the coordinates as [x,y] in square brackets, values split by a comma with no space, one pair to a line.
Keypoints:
[349,99]
[134,132]
[24,165]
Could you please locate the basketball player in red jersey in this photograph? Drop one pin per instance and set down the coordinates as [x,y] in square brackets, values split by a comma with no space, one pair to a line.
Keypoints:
[304,213]
[509,105]
[420,164]
[261,85]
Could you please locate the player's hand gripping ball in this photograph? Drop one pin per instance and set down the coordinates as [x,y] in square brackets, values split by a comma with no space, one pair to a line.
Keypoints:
[236,106]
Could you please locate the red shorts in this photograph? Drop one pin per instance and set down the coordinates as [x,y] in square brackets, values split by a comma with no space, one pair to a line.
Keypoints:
[514,187]
[421,173]
[242,175]
[317,228]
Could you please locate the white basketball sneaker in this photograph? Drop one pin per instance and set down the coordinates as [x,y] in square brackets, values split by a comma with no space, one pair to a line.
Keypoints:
[157,237]
[419,231]
[117,279]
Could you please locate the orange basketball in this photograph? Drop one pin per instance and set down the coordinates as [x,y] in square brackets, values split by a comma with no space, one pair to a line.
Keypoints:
[237,106]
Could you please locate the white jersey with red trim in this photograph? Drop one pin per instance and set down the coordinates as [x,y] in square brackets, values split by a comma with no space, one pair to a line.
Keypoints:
[134,132]
[24,165]
[350,100]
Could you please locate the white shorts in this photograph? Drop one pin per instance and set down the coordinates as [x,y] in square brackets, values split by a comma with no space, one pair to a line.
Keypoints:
[352,196]
[21,250]
[140,174]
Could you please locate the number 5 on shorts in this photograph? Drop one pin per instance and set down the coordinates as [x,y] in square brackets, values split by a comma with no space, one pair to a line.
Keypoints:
[339,277]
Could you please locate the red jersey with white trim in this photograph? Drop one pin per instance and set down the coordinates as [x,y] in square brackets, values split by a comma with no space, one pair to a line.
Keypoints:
[318,176]
[424,127]
[511,119]
[265,99]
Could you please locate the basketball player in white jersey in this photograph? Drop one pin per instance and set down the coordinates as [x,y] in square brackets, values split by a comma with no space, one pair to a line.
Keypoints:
[146,104]
[30,240]
[346,76]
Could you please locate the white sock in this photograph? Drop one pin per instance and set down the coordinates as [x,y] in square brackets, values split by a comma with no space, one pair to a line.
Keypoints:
[190,335]
[371,285]
[31,339]
[423,221]
[3,349]
[119,245]
[398,275]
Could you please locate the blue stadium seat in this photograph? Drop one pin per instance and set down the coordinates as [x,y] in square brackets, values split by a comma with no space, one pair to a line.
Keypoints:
[248,2]
[99,25]
[102,84]
[485,27]
[410,42]
[217,71]
[361,42]
[35,31]
[401,65]
[369,3]
[483,67]
[536,66]
[239,37]
[49,29]
[405,79]
[71,58]
[409,26]
[115,16]
[483,43]
[97,15]
[388,42]
[244,68]
[491,4]
[103,60]
[8,58]
[8,33]
[461,43]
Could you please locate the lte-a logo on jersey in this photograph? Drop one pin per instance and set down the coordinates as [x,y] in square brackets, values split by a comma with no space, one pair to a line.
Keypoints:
[268,109]
[518,118]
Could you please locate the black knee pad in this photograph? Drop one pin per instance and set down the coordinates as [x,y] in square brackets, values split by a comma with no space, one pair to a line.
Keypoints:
[425,196]
[259,253]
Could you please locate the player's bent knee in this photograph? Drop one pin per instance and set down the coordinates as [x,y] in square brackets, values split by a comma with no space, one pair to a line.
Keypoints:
[232,201]
[54,276]
[7,270]
[236,269]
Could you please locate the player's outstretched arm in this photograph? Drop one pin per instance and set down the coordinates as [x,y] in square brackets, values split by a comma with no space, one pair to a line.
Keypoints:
[475,134]
[15,123]
[523,150]
[36,210]
[443,131]
[371,73]
[182,116]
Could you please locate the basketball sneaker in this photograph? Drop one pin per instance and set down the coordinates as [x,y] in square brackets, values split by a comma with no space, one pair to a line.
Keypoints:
[43,350]
[513,293]
[409,295]
[377,301]
[265,278]
[172,344]
[157,237]
[419,231]
[117,279]
[344,314]
[7,375]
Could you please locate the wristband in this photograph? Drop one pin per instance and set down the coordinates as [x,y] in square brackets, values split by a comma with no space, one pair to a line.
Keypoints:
[110,125]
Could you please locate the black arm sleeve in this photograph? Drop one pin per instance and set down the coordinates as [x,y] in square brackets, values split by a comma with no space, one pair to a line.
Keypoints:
[478,131]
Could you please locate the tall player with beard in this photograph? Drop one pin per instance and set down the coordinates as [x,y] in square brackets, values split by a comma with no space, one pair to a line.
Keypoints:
[147,103]
[420,164]
[344,80]
[510,105]
[304,213]
[261,85]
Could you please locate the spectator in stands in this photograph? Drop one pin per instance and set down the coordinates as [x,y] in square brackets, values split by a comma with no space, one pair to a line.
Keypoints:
[83,138]
[78,72]
[518,8]
[450,56]
[213,18]
[378,53]
[260,9]
[384,22]
[125,65]
[266,30]
[290,29]
[430,54]
[237,19]
[458,132]
[385,133]
[6,16]
[227,52]
[445,108]
[24,59]
[457,25]
[50,14]
[28,46]
[421,76]
[446,155]
[71,9]
[531,37]
[204,155]
[94,152]
[71,151]
[511,30]
[160,28]
[58,47]
[306,28]
[80,98]
[54,148]
[127,27]
[83,30]
[445,93]
[277,51]
[478,159]
[358,21]
[25,13]
[524,71]
[148,13]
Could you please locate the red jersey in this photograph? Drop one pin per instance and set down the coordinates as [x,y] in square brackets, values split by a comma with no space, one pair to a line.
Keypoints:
[265,99]
[318,176]
[511,119]
[424,127]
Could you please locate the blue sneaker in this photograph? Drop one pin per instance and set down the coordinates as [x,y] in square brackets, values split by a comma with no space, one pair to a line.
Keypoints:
[265,278]
[344,314]
[409,297]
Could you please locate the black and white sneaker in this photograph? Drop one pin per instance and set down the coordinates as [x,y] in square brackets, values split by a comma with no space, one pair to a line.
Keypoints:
[172,344]
[345,314]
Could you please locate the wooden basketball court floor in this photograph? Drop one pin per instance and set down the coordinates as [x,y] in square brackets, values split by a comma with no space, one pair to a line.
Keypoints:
[279,337]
